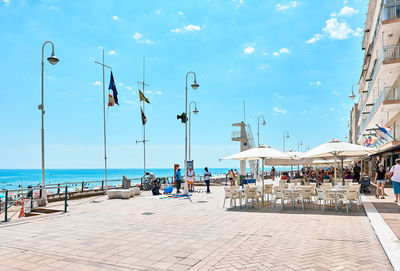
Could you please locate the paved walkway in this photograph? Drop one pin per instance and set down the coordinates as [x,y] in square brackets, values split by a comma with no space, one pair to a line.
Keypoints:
[147,233]
[389,210]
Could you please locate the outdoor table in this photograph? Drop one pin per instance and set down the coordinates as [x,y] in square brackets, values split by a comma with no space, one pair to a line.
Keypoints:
[292,189]
[336,190]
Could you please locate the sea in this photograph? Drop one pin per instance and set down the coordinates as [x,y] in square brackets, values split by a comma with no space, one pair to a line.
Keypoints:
[14,178]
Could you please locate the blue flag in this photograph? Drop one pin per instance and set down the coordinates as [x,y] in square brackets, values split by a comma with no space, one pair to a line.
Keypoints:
[384,130]
[113,88]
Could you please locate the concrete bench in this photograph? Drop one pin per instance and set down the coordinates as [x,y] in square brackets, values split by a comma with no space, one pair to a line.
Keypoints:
[119,194]
[136,190]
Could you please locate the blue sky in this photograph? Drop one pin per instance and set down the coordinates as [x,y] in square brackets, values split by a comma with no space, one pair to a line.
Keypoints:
[292,61]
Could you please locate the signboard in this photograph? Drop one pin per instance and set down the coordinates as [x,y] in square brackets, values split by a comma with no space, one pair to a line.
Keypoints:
[189,165]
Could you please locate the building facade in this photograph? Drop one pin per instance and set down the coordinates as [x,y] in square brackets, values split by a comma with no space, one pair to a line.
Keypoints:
[375,118]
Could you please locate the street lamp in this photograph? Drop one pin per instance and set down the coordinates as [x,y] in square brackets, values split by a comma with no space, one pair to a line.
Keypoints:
[195,111]
[258,128]
[194,86]
[53,61]
[299,143]
[352,95]
[285,136]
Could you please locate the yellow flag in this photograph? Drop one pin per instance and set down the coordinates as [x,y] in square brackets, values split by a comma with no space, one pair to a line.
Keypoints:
[142,97]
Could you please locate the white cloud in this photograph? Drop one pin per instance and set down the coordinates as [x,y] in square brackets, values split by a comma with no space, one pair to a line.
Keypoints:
[159,92]
[129,102]
[180,13]
[158,11]
[334,92]
[115,18]
[281,51]
[112,52]
[263,66]
[358,32]
[148,92]
[332,109]
[230,70]
[278,110]
[128,88]
[315,38]
[337,30]
[249,50]
[186,28]
[291,4]
[120,84]
[347,11]
[5,2]
[97,83]
[139,39]
[238,3]
[316,83]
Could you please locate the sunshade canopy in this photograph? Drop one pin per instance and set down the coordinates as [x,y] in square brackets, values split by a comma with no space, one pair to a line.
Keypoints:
[260,152]
[336,148]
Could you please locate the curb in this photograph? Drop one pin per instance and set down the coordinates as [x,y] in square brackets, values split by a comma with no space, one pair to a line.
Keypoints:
[388,240]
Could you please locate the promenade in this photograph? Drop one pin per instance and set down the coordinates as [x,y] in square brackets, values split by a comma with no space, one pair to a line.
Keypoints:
[149,233]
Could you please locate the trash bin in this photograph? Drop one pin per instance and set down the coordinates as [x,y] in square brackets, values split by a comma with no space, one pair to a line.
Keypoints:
[126,183]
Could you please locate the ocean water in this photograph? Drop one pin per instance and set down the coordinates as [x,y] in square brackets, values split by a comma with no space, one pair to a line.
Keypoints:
[12,178]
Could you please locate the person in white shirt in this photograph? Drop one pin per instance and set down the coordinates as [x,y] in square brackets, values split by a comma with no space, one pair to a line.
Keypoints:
[395,177]
[207,177]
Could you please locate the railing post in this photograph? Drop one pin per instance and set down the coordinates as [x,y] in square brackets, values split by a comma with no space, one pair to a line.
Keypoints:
[102,185]
[6,207]
[66,199]
[82,186]
[31,196]
[58,189]
[41,191]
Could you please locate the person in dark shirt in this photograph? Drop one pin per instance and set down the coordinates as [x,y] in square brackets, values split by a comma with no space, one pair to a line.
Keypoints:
[380,179]
[357,171]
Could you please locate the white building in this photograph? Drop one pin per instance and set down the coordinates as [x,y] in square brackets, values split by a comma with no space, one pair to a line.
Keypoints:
[379,83]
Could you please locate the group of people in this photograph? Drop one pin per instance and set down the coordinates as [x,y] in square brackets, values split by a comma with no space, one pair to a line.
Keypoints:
[232,174]
[381,176]
[188,184]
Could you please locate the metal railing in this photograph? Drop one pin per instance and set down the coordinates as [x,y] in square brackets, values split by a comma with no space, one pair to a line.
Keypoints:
[236,135]
[388,94]
[391,52]
[391,10]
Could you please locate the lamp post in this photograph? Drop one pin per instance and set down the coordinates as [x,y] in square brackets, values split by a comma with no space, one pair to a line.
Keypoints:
[194,86]
[195,111]
[285,136]
[53,61]
[258,128]
[352,95]
[299,143]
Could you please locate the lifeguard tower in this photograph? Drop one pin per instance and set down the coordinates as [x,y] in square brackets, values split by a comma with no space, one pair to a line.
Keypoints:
[245,137]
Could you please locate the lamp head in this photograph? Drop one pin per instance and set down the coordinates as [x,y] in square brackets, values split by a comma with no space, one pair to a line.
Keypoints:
[53,60]
[352,95]
[264,123]
[195,85]
[195,111]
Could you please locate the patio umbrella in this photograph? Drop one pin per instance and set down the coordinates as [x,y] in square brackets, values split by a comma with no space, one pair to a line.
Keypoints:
[262,152]
[335,148]
[294,161]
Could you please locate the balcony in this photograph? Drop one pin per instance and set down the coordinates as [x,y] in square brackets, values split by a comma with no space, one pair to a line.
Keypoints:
[388,96]
[391,10]
[391,52]
[236,136]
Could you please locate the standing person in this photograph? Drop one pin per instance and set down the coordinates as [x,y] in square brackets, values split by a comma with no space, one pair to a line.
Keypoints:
[207,177]
[190,179]
[273,173]
[230,176]
[380,179]
[178,178]
[357,171]
[395,177]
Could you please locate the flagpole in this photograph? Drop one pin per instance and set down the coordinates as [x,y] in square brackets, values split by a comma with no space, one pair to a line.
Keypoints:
[104,120]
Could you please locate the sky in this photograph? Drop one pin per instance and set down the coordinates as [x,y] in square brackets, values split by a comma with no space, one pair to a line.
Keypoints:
[293,62]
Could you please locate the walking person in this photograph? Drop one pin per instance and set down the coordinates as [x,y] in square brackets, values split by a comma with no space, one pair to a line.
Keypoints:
[230,176]
[273,173]
[395,177]
[190,179]
[207,177]
[380,179]
[178,178]
[357,173]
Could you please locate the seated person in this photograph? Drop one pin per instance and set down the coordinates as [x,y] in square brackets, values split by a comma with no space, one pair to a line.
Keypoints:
[156,188]
[284,176]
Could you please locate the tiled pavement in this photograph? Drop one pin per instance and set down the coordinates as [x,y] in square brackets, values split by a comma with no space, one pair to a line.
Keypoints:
[148,233]
[389,210]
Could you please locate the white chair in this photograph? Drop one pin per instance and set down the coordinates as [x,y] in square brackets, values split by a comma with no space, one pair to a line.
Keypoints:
[351,195]
[307,194]
[268,190]
[282,182]
[347,182]
[236,195]
[278,194]
[287,195]
[228,195]
[330,196]
[320,195]
[251,193]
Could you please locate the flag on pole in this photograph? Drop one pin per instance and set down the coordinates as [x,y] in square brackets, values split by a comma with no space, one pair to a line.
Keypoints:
[144,119]
[113,88]
[142,97]
[111,101]
[385,130]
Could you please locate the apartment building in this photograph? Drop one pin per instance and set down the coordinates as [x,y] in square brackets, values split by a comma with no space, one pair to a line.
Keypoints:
[375,118]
